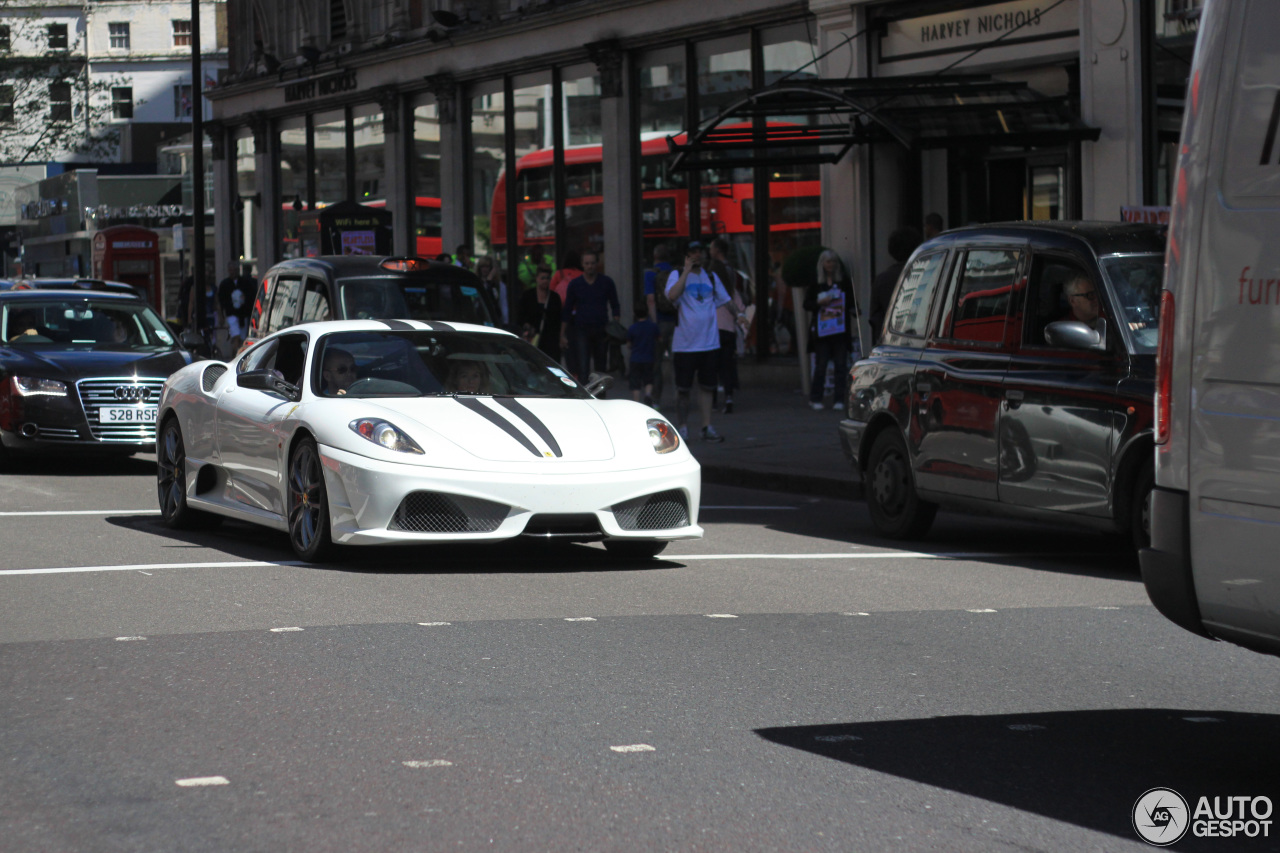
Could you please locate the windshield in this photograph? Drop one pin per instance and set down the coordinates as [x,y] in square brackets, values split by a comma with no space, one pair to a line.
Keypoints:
[1136,281]
[436,364]
[83,324]
[412,298]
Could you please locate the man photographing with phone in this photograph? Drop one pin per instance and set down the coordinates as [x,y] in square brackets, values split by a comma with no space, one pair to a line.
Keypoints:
[696,292]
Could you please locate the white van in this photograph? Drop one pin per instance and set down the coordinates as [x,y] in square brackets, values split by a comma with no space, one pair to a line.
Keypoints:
[1214,562]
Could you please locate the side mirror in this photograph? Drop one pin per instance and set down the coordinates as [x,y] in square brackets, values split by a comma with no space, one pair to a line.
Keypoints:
[269,381]
[598,384]
[1072,334]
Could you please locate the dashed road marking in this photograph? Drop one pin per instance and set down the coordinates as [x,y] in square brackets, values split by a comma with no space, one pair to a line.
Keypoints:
[201,781]
[283,630]
[579,618]
[434,762]
[748,507]
[634,747]
[858,613]
[980,610]
[126,639]
[433,624]
[238,564]
[721,616]
[80,512]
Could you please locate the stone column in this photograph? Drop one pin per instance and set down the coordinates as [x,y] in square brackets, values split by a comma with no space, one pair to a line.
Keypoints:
[1111,99]
[618,165]
[453,159]
[266,207]
[397,171]
[846,187]
[224,219]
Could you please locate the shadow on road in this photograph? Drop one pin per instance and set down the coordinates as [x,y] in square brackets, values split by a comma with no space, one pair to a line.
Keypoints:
[83,464]
[1083,767]
[245,541]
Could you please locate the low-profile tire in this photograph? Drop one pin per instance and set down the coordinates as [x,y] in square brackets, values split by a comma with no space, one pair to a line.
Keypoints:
[634,549]
[1139,520]
[171,481]
[897,512]
[308,503]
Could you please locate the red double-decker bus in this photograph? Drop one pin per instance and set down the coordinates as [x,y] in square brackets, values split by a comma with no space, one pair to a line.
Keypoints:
[728,200]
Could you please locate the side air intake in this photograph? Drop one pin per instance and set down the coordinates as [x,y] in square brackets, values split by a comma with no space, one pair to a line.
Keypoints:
[662,511]
[433,512]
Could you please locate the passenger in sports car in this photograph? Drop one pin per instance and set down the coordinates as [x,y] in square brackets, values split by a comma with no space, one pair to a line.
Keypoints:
[339,371]
[468,377]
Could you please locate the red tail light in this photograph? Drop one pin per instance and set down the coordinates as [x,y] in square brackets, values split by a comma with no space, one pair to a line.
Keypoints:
[1164,367]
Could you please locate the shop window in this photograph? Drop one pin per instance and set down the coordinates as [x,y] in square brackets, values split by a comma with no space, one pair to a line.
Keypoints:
[370,146]
[337,20]
[294,198]
[57,36]
[122,102]
[59,101]
[583,173]
[425,171]
[181,33]
[488,158]
[118,35]
[330,145]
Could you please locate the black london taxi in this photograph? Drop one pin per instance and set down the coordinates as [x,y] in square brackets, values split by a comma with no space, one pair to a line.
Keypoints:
[367,287]
[1015,374]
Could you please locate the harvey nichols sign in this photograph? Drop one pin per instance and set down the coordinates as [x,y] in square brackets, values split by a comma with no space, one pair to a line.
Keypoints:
[1013,23]
[334,84]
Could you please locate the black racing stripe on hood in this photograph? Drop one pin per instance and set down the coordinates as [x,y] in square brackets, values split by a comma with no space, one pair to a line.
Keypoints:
[500,422]
[398,325]
[512,405]
[437,326]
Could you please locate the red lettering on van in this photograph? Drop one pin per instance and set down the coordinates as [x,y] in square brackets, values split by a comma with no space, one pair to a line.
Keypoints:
[1260,290]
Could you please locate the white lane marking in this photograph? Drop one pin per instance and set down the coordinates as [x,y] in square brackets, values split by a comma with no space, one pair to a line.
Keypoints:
[1026,727]
[201,781]
[1108,608]
[721,616]
[579,618]
[249,564]
[980,610]
[836,738]
[126,639]
[434,762]
[881,555]
[749,507]
[282,630]
[859,613]
[634,747]
[80,512]
[430,624]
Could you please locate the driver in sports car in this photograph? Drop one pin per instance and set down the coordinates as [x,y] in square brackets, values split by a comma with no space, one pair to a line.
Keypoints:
[468,377]
[338,372]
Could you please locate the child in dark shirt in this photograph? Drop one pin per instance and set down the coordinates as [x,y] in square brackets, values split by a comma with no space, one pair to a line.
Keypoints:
[642,336]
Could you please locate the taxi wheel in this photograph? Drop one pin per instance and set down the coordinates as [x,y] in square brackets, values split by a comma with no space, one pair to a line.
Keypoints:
[1140,505]
[632,549]
[897,512]
[171,481]
[308,503]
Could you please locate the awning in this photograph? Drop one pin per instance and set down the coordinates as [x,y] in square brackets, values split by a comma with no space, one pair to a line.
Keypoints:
[818,121]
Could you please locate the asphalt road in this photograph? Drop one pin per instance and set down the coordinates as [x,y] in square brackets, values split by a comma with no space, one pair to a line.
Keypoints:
[790,682]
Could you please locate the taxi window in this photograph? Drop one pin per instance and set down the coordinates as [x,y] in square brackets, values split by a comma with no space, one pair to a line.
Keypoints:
[910,312]
[980,299]
[315,302]
[284,307]
[1047,299]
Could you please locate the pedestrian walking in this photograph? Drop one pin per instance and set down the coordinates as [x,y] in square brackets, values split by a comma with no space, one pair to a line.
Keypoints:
[696,292]
[830,301]
[592,301]
[539,315]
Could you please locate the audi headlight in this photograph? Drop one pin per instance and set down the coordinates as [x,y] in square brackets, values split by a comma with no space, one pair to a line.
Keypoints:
[30,386]
[385,435]
[663,435]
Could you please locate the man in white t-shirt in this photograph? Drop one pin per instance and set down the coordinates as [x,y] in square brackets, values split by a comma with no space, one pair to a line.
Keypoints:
[697,293]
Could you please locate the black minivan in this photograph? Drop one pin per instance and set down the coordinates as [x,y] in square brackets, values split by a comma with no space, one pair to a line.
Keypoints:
[367,287]
[1016,374]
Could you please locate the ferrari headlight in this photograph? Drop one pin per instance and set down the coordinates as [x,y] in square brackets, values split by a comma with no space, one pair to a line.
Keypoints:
[663,435]
[385,435]
[29,386]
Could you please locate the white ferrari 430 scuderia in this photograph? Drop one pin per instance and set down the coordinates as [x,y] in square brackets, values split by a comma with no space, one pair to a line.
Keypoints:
[372,432]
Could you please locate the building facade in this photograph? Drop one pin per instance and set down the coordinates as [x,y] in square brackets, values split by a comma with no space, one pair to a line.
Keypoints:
[527,129]
[101,86]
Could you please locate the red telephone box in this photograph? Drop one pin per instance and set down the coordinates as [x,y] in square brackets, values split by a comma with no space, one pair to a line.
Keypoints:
[130,254]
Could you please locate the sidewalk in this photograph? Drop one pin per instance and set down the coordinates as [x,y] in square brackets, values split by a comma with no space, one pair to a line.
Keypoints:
[773,439]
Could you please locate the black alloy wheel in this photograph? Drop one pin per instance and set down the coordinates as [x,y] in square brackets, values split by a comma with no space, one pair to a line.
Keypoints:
[634,549]
[171,481]
[308,503]
[897,512]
